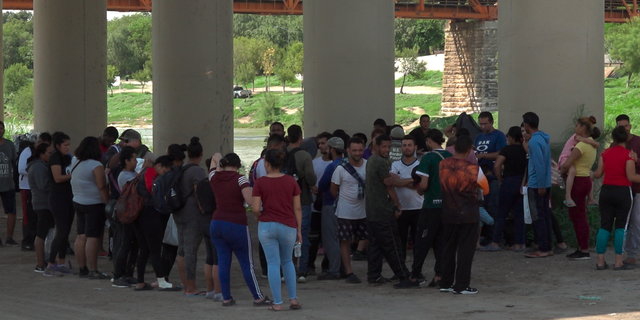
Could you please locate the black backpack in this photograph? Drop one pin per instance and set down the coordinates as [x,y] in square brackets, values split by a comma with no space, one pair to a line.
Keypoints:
[205,197]
[166,194]
[289,166]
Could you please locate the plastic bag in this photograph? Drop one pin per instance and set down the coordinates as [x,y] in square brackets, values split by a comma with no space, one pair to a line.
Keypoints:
[171,233]
[525,202]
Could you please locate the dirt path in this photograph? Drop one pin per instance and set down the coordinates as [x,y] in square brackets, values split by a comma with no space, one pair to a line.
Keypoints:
[510,287]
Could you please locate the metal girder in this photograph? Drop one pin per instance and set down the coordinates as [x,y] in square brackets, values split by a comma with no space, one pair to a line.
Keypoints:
[615,11]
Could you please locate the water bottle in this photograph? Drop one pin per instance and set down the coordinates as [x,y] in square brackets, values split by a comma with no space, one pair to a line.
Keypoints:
[561,183]
[297,250]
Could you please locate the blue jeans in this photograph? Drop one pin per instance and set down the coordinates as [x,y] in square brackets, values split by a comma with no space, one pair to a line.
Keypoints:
[510,201]
[305,228]
[277,241]
[231,238]
[543,224]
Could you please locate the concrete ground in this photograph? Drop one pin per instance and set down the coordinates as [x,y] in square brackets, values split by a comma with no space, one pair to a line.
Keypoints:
[510,287]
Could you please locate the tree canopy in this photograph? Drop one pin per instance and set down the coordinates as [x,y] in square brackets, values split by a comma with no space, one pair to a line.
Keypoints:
[623,43]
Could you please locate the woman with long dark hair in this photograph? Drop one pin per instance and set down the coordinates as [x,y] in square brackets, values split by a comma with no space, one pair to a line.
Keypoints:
[39,184]
[90,194]
[280,225]
[229,228]
[61,205]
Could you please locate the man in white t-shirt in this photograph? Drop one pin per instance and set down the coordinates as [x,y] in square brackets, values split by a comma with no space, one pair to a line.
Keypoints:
[409,198]
[319,166]
[347,185]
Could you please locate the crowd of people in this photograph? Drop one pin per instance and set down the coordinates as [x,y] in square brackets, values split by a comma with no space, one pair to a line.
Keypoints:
[350,198]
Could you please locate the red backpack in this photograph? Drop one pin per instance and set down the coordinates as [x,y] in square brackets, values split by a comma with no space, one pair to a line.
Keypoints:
[131,203]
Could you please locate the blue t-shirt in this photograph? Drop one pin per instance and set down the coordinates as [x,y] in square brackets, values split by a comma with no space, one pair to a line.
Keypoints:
[490,143]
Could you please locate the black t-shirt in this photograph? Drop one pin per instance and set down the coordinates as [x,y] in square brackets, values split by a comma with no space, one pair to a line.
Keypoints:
[515,163]
[63,161]
[421,141]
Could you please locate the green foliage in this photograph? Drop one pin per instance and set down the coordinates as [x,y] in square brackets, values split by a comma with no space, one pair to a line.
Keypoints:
[112,73]
[268,63]
[130,108]
[284,67]
[427,35]
[429,78]
[269,110]
[272,29]
[17,39]
[623,44]
[621,100]
[16,76]
[405,106]
[245,74]
[408,63]
[247,53]
[143,76]
[129,42]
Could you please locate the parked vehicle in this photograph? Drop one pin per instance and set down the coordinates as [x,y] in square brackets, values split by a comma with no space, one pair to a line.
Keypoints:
[240,92]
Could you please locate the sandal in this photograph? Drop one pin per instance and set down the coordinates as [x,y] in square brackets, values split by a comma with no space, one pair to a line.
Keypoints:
[199,294]
[624,267]
[569,204]
[604,267]
[144,288]
[534,255]
[265,302]
[229,303]
[295,306]
[273,309]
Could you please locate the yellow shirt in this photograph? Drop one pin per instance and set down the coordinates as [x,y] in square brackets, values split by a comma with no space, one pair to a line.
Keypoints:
[585,162]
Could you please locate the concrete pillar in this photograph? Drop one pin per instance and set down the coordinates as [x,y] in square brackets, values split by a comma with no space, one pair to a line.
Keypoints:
[470,81]
[193,74]
[70,67]
[348,65]
[550,62]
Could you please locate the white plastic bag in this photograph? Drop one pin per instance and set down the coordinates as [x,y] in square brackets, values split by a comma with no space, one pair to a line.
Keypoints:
[525,202]
[171,233]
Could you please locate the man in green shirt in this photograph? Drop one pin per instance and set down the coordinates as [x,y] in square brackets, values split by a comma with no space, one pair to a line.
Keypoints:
[383,207]
[429,229]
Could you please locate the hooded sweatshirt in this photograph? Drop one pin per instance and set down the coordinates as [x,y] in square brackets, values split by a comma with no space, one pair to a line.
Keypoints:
[39,183]
[227,186]
[539,161]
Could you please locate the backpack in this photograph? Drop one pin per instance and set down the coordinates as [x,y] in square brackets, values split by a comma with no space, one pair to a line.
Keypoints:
[131,202]
[167,197]
[289,165]
[16,175]
[205,197]
[253,172]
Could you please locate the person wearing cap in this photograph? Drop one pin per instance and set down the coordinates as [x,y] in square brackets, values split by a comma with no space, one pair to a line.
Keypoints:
[132,138]
[306,179]
[330,242]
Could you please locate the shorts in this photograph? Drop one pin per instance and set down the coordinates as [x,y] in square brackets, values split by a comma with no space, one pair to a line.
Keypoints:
[9,201]
[90,219]
[45,222]
[349,229]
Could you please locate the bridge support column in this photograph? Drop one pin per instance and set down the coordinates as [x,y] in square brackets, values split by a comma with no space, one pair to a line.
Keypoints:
[70,67]
[193,74]
[348,65]
[470,81]
[550,62]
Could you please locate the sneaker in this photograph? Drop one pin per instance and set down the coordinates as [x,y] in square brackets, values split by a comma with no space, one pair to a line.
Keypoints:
[352,278]
[558,250]
[302,279]
[579,255]
[11,243]
[468,290]
[97,275]
[218,297]
[66,270]
[450,289]
[70,251]
[377,282]
[394,278]
[84,272]
[328,276]
[27,247]
[120,283]
[52,272]
[359,256]
[131,280]
[264,276]
[407,284]
[39,269]
[489,248]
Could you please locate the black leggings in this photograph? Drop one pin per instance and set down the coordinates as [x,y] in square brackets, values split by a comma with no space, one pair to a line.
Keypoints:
[61,206]
[149,231]
[45,222]
[126,251]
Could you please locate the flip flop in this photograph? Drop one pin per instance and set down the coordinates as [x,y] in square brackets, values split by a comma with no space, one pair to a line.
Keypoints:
[569,204]
[171,289]
[273,309]
[534,255]
[145,288]
[199,294]
[295,306]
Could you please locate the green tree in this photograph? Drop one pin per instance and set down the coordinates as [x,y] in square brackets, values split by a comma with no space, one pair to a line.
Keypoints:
[129,42]
[279,30]
[296,55]
[427,35]
[284,68]
[112,73]
[245,74]
[268,62]
[624,44]
[143,76]
[20,103]
[17,38]
[15,77]
[407,62]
